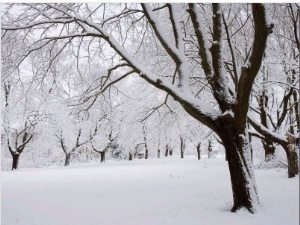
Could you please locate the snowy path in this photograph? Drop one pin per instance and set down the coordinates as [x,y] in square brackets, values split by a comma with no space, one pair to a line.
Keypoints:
[157,191]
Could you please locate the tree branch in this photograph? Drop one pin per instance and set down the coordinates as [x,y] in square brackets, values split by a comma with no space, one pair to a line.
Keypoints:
[250,70]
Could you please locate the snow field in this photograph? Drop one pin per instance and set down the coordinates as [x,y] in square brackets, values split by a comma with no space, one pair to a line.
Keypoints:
[166,191]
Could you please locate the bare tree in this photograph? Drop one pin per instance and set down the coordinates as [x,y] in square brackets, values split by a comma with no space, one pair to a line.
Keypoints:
[110,145]
[19,135]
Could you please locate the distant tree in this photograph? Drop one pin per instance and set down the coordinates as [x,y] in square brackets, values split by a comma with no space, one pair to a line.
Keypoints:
[167,150]
[111,144]
[199,151]
[182,147]
[73,132]
[209,149]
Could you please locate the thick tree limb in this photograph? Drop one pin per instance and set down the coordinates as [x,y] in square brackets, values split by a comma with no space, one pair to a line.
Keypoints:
[251,68]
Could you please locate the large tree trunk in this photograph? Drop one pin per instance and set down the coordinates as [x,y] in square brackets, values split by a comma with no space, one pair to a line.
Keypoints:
[15,162]
[292,158]
[292,161]
[68,159]
[241,170]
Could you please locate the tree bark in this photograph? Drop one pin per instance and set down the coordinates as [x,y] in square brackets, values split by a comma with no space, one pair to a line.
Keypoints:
[241,171]
[68,159]
[292,162]
[237,148]
[291,154]
[15,162]
[250,145]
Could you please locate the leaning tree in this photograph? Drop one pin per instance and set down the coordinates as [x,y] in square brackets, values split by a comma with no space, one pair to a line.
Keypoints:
[170,46]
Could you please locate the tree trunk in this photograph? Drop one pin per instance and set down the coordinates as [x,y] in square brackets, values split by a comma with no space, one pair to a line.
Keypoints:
[170,152]
[146,154]
[269,150]
[130,156]
[209,149]
[198,151]
[241,169]
[15,162]
[292,158]
[167,151]
[158,153]
[102,156]
[182,147]
[68,159]
[292,161]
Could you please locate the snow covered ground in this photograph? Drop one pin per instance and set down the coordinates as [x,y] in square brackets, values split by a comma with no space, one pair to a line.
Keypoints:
[167,191]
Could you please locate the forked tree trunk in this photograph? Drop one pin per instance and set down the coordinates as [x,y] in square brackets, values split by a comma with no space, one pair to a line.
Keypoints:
[68,159]
[241,171]
[269,149]
[15,161]
[130,156]
[102,156]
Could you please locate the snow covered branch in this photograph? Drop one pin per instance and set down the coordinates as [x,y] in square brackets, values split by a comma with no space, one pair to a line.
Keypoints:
[266,132]
[251,68]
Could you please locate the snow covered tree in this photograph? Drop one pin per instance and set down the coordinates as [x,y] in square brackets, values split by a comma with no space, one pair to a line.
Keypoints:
[182,147]
[176,32]
[276,91]
[111,143]
[17,135]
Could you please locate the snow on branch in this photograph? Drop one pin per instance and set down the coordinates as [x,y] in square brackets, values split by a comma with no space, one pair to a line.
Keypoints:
[280,139]
[175,52]
[202,41]
[251,67]
[41,22]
